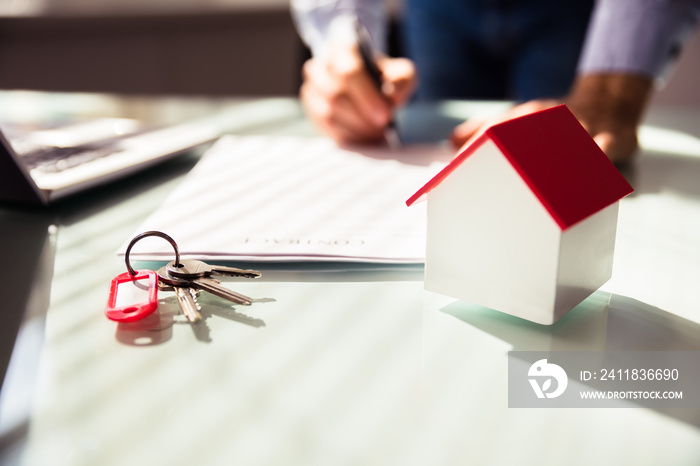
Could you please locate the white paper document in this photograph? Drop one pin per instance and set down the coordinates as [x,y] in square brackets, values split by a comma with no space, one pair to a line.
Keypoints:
[265,198]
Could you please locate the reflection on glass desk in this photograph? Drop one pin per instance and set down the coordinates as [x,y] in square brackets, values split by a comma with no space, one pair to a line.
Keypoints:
[331,365]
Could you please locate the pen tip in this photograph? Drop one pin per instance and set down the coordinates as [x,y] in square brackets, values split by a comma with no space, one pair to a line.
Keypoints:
[392,138]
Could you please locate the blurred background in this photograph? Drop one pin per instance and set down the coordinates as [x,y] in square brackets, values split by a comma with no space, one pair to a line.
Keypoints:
[187,47]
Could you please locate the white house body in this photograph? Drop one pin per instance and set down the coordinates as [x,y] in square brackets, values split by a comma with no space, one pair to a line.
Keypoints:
[500,248]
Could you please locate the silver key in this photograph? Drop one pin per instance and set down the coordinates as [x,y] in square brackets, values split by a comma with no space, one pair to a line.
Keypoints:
[194,269]
[189,306]
[187,297]
[210,285]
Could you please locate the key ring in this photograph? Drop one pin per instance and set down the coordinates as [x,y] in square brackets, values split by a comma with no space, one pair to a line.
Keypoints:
[144,235]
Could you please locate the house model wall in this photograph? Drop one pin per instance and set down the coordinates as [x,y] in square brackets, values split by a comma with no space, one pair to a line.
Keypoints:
[524,220]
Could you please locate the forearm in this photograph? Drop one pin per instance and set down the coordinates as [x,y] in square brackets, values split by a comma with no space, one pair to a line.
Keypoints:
[610,98]
[628,48]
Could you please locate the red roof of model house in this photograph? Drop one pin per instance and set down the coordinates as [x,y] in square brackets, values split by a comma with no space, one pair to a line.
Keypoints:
[557,159]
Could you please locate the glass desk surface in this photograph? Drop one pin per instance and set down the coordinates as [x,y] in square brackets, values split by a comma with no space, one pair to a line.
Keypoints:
[331,365]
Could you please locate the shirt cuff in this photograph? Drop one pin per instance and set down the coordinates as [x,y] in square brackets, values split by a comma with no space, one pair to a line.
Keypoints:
[324,23]
[636,36]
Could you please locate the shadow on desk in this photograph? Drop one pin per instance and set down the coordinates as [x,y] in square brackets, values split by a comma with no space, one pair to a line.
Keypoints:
[655,172]
[670,157]
[86,204]
[603,322]
[27,249]
[317,272]
[157,328]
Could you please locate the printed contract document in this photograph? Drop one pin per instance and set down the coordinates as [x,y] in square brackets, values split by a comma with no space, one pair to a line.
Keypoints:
[265,198]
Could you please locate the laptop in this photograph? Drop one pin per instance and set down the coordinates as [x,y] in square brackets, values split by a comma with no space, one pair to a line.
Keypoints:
[40,165]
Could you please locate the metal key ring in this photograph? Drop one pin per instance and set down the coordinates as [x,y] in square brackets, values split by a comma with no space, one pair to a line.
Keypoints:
[144,235]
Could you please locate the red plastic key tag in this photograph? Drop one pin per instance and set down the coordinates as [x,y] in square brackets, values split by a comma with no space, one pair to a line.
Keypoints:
[132,297]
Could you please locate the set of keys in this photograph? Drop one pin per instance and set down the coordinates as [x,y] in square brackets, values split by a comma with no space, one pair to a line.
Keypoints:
[191,276]
[134,294]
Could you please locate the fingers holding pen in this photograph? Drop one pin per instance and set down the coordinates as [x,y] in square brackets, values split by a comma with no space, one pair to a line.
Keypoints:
[400,79]
[329,106]
[340,97]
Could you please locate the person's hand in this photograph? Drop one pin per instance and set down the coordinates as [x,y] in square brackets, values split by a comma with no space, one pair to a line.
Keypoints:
[340,98]
[467,132]
[609,106]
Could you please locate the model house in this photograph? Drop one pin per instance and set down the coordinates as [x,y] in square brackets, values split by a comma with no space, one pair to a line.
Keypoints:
[523,220]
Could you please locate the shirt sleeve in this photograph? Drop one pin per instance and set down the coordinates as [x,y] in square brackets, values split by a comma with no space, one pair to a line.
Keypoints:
[323,22]
[637,36]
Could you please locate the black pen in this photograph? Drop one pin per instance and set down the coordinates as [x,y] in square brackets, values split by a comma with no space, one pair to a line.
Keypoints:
[363,42]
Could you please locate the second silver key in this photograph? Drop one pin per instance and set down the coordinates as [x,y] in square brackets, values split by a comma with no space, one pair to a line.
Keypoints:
[211,285]
[214,287]
[188,304]
[190,269]
[187,298]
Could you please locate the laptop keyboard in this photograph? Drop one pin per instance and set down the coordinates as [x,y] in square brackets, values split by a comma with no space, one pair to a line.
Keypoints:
[51,147]
[53,159]
[61,162]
